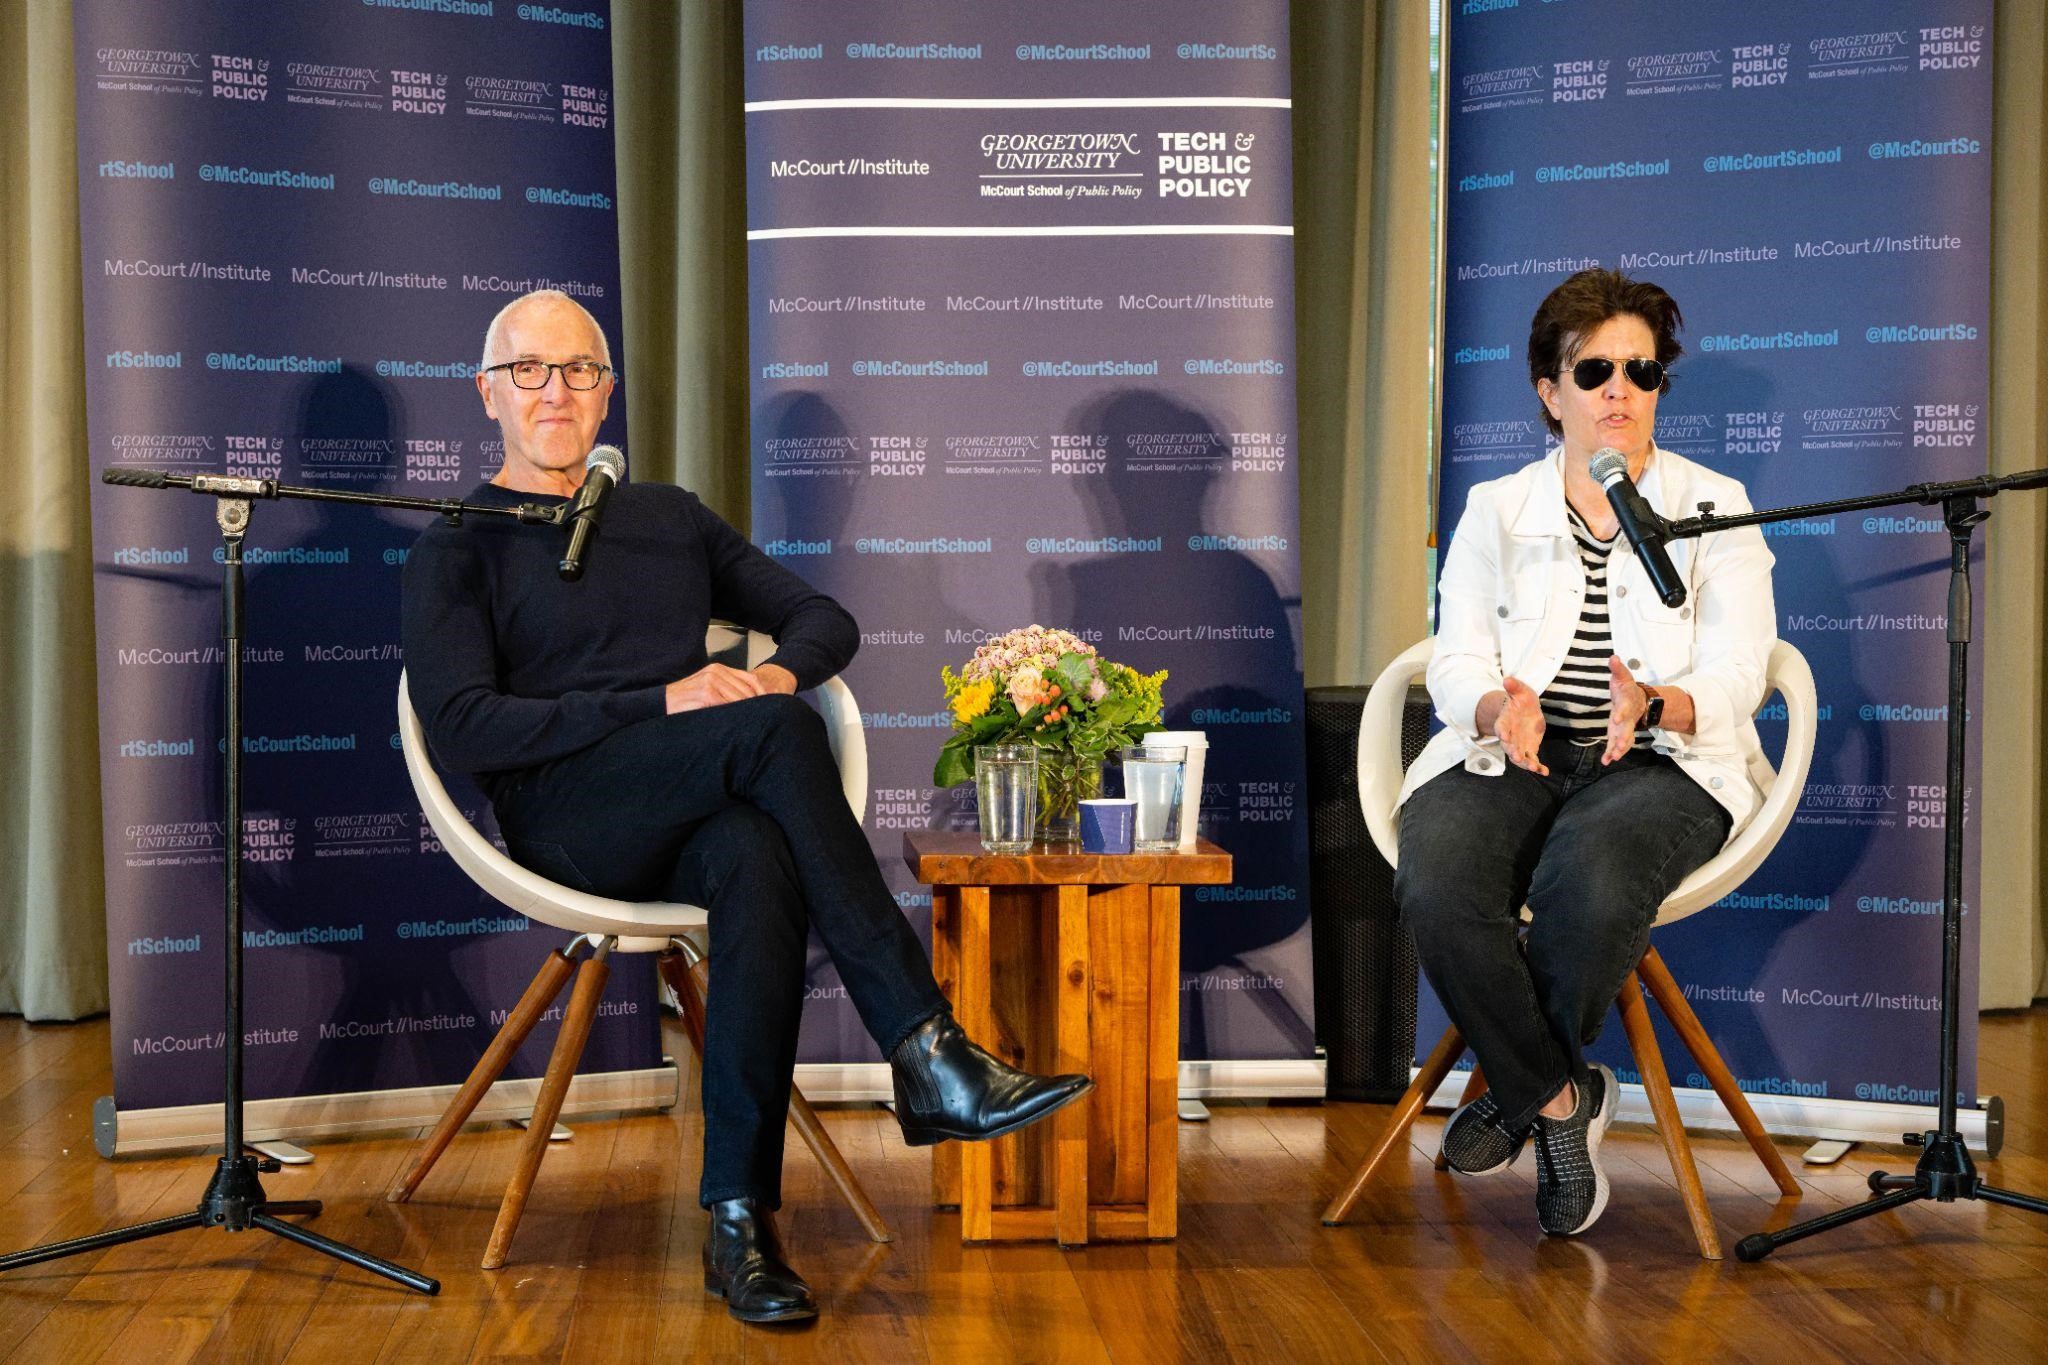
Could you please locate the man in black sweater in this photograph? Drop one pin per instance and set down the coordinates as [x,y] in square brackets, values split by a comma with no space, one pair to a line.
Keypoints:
[620,761]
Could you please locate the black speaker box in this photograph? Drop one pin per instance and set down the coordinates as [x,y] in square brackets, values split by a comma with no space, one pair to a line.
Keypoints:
[1364,956]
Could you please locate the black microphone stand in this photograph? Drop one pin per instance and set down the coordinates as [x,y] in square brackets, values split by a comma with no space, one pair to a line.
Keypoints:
[234,1199]
[1945,1172]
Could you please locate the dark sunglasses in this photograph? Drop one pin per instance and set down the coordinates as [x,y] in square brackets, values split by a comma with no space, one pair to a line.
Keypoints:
[1591,373]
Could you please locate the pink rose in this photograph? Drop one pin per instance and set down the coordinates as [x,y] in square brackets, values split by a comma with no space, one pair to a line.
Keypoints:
[1027,688]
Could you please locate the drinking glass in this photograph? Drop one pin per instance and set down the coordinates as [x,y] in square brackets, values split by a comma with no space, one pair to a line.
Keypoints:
[1006,795]
[1152,778]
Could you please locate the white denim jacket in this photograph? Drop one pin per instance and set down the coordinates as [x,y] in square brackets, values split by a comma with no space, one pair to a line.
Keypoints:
[1509,603]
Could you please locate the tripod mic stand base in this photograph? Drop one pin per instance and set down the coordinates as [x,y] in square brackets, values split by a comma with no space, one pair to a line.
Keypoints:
[234,1202]
[1945,1174]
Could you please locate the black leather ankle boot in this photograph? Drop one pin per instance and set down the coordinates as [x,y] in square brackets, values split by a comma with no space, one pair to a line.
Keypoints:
[743,1265]
[946,1087]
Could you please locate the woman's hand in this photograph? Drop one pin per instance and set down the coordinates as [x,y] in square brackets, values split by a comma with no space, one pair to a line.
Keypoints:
[1517,722]
[1626,702]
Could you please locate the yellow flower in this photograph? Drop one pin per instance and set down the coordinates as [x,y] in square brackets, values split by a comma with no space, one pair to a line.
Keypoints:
[973,700]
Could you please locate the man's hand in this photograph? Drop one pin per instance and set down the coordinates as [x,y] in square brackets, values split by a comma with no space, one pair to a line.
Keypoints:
[776,678]
[1517,721]
[1626,703]
[713,685]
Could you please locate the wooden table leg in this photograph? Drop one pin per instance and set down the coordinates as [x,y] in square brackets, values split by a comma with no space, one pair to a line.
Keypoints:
[972,1006]
[1070,1125]
[1162,1118]
[946,971]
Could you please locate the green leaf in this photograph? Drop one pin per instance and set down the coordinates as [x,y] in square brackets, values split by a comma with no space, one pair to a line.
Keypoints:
[1072,674]
[956,763]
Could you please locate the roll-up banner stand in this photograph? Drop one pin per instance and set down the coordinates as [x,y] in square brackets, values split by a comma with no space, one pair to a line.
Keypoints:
[297,221]
[1812,184]
[1022,350]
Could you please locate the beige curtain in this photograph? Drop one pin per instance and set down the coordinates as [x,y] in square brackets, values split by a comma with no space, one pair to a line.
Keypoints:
[682,239]
[1365,300]
[1364,303]
[53,940]
[2010,798]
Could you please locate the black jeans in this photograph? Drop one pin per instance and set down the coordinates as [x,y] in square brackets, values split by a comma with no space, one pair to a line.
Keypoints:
[1592,851]
[737,808]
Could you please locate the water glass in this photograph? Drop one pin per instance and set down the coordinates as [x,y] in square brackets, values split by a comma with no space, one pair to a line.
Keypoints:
[1006,795]
[1152,778]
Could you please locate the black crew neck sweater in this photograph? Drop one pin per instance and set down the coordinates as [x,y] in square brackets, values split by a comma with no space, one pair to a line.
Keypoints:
[509,667]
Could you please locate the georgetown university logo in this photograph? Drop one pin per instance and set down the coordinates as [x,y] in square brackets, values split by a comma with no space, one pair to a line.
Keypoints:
[810,456]
[149,71]
[1505,87]
[1867,426]
[334,87]
[996,453]
[1484,442]
[1677,73]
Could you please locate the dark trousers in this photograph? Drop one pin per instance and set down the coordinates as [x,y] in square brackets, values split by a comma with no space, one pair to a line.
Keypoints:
[1592,852]
[737,808]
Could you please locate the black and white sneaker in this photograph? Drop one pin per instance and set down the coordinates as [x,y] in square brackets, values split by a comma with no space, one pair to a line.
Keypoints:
[1476,1142]
[1571,1189]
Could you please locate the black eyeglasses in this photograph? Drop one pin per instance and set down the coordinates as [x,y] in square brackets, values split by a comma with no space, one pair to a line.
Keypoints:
[1592,372]
[533,374]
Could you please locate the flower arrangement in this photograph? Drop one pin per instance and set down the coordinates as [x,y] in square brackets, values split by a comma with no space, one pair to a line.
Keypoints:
[1049,688]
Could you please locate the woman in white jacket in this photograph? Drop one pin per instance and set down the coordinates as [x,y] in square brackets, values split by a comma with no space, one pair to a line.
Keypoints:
[1598,744]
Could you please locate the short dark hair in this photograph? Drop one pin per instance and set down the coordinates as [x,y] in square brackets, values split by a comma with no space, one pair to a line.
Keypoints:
[1576,309]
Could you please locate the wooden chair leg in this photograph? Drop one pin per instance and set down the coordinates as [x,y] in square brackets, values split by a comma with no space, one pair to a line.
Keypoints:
[843,1179]
[1448,1049]
[1642,1041]
[1475,1086]
[547,984]
[576,1021]
[691,983]
[1672,1001]
[689,988]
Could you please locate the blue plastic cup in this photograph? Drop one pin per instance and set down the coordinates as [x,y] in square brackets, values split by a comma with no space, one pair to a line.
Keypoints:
[1107,825]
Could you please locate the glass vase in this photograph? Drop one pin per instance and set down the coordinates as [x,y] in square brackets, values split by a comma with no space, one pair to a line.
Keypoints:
[1065,780]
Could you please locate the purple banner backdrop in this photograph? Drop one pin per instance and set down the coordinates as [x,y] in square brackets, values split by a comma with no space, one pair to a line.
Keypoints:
[1812,183]
[1022,350]
[297,221]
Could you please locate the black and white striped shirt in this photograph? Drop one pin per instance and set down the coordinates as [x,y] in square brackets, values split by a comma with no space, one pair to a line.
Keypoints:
[1576,702]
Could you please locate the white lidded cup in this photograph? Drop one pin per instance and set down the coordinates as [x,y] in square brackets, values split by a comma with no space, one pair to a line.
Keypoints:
[1196,742]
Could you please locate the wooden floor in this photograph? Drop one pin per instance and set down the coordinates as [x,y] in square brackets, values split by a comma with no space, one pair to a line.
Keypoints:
[606,1264]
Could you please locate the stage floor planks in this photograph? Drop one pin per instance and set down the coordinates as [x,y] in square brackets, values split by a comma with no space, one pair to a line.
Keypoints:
[606,1264]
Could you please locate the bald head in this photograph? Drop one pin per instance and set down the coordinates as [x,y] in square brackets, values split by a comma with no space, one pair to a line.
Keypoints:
[540,300]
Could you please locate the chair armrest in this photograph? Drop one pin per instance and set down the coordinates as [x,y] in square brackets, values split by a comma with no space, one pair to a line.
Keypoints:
[1379,747]
[1787,674]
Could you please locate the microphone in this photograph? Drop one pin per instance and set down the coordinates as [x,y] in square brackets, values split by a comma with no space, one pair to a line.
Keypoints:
[605,467]
[1639,522]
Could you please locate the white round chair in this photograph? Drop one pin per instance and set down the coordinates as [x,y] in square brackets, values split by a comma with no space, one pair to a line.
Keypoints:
[607,926]
[1380,771]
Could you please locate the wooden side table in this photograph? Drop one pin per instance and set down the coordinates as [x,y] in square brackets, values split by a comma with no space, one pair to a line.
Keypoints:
[1061,962]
